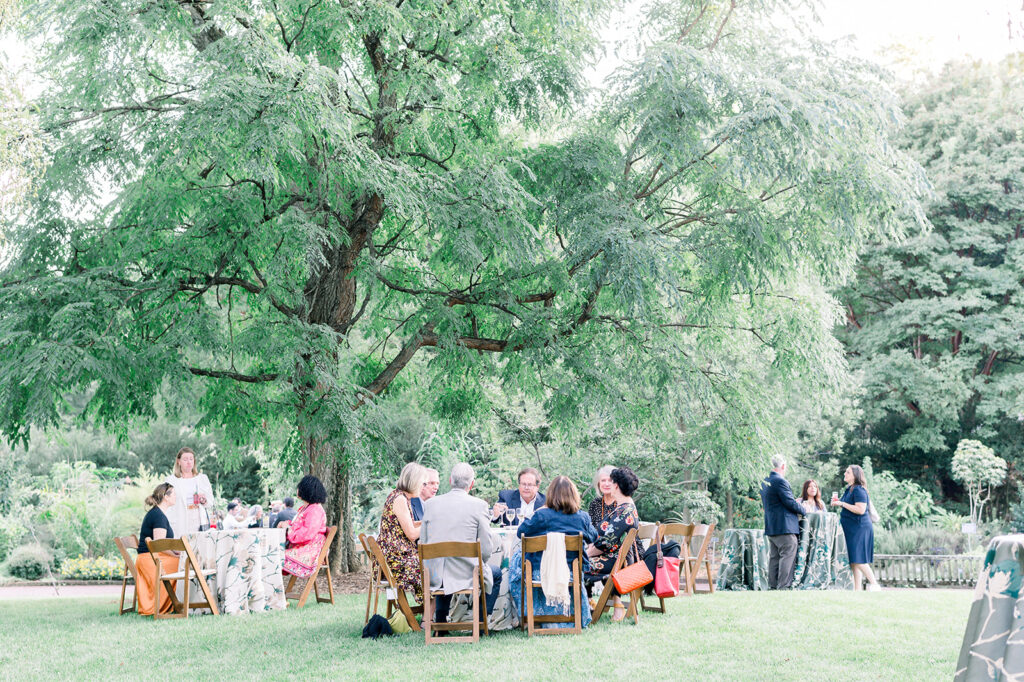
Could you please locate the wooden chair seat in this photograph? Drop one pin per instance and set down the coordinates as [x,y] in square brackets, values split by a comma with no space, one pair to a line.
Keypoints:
[190,572]
[478,598]
[128,577]
[382,580]
[573,543]
[322,564]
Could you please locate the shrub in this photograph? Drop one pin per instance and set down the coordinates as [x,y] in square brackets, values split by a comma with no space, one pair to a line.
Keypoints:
[11,532]
[29,562]
[919,540]
[85,568]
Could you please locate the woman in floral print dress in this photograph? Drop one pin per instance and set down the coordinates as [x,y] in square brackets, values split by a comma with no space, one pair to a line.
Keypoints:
[612,531]
[399,533]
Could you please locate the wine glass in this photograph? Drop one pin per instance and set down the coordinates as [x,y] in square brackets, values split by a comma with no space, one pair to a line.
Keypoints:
[510,515]
[519,515]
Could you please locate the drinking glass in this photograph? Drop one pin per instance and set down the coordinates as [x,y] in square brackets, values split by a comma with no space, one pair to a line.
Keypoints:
[519,515]
[510,515]
[835,495]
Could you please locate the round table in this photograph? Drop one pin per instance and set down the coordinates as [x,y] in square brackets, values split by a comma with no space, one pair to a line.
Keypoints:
[821,563]
[505,615]
[993,646]
[248,563]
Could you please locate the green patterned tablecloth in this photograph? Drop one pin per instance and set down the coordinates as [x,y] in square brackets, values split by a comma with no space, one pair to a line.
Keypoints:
[504,616]
[993,647]
[248,564]
[822,562]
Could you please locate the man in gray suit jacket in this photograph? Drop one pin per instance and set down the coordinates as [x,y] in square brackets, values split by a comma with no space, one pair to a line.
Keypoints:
[457,517]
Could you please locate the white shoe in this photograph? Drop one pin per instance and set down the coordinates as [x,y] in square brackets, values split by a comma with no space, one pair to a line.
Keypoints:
[874,587]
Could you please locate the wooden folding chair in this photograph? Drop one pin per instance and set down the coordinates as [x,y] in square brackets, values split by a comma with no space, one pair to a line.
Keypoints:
[609,585]
[399,601]
[322,564]
[573,543]
[123,545]
[478,595]
[681,532]
[377,582]
[695,562]
[190,572]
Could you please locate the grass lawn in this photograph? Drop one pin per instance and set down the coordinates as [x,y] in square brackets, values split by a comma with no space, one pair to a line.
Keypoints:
[893,635]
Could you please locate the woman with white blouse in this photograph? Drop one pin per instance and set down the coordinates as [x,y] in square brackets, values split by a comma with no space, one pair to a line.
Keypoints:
[194,494]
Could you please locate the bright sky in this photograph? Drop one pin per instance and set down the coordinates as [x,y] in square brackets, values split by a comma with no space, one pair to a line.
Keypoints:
[937,30]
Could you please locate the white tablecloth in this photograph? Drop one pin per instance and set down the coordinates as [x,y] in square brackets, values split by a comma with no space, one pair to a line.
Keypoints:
[248,564]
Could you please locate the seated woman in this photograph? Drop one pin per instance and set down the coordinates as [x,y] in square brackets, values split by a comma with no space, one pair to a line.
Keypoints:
[307,531]
[155,526]
[560,515]
[612,532]
[399,533]
[810,497]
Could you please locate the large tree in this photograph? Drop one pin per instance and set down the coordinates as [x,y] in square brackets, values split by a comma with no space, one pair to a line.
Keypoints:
[935,322]
[288,201]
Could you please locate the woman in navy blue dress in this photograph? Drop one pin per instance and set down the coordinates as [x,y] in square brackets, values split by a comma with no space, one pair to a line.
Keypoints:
[857,527]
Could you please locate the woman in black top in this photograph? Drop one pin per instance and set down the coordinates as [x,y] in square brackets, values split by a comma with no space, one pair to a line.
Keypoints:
[155,526]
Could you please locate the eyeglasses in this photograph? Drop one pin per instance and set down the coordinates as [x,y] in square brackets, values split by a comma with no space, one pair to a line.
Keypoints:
[528,485]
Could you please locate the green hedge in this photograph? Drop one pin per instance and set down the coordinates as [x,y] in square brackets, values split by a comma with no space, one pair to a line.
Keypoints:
[29,562]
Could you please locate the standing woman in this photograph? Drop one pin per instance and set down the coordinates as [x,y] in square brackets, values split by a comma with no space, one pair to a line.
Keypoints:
[602,506]
[399,533]
[857,527]
[155,526]
[193,493]
[307,532]
[810,497]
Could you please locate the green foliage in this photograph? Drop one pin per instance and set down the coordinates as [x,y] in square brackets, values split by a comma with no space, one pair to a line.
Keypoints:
[919,539]
[296,189]
[979,468]
[29,562]
[934,321]
[91,568]
[900,502]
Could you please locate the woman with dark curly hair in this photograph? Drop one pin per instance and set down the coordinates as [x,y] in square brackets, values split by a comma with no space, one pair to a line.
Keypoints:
[613,530]
[307,531]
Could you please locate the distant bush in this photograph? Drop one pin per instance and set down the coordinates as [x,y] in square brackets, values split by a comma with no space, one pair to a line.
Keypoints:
[29,562]
[11,532]
[919,540]
[85,568]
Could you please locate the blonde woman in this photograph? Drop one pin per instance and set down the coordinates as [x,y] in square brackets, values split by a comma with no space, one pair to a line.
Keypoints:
[603,504]
[155,526]
[399,533]
[194,494]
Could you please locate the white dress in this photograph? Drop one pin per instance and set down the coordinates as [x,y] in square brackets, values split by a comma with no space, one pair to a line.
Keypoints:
[185,516]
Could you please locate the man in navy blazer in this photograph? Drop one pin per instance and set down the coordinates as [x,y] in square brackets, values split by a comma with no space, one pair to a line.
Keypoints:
[429,489]
[781,525]
[528,498]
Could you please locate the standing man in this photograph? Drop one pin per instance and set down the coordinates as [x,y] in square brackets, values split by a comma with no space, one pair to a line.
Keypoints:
[527,498]
[456,516]
[781,525]
[430,487]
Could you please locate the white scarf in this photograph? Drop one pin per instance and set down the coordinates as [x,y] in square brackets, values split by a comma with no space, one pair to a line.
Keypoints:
[554,573]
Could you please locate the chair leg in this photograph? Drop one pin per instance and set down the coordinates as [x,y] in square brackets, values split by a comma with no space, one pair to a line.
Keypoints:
[188,584]
[711,580]
[577,606]
[310,582]
[528,593]
[124,586]
[476,607]
[428,617]
[330,588]
[602,601]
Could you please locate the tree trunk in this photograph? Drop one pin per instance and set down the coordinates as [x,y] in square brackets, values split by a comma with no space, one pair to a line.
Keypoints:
[326,465]
[728,509]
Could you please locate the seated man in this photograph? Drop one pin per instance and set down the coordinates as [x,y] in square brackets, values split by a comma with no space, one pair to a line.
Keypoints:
[457,517]
[429,489]
[527,498]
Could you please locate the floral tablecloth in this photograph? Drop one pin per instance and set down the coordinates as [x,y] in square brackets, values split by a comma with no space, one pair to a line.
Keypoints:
[822,562]
[993,647]
[505,615]
[248,563]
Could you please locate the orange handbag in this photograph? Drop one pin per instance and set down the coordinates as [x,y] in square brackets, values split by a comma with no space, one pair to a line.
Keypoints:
[632,577]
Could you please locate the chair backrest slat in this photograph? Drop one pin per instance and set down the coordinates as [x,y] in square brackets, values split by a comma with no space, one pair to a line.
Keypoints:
[437,550]
[538,543]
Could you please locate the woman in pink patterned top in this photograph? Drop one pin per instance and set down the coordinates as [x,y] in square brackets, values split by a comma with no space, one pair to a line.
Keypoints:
[307,531]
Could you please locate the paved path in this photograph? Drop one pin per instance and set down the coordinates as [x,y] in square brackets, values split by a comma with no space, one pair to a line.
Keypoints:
[19,592]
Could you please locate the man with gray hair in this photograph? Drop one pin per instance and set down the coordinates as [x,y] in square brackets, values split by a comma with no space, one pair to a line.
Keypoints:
[781,525]
[458,517]
[429,489]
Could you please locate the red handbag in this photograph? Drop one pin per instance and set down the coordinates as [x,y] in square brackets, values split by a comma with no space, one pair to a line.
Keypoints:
[666,576]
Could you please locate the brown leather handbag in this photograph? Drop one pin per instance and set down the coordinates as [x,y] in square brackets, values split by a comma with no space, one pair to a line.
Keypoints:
[632,577]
